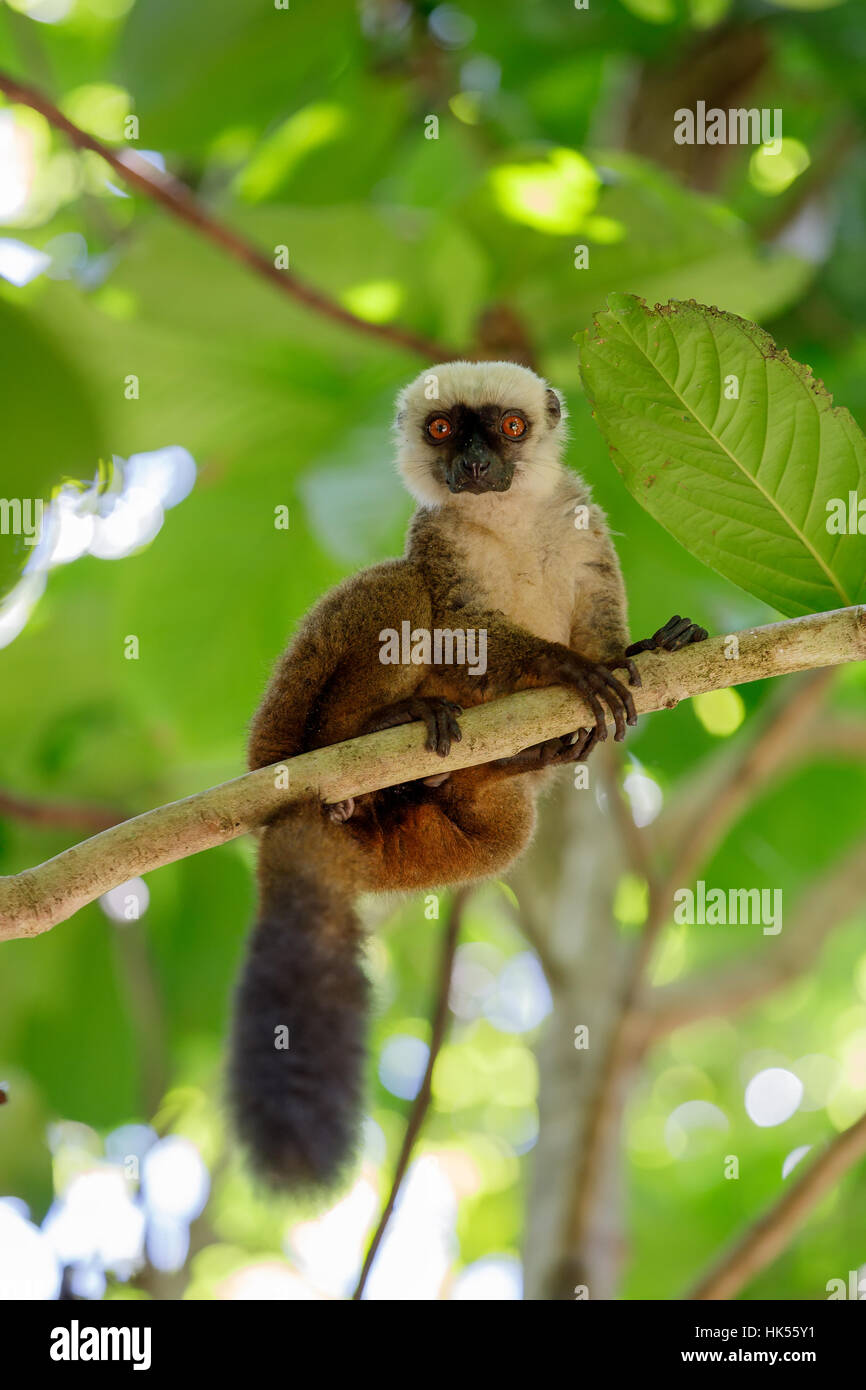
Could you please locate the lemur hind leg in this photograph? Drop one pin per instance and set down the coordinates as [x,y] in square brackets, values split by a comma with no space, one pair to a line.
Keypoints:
[553,752]
[414,838]
[471,827]
[440,720]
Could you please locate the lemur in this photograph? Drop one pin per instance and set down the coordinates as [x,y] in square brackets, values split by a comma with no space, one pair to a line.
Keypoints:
[497,545]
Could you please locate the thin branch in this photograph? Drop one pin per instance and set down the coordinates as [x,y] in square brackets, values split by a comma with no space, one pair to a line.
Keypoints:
[527,922]
[61,815]
[421,1103]
[36,899]
[139,985]
[812,185]
[637,840]
[177,199]
[826,904]
[844,738]
[626,1045]
[768,1237]
[706,808]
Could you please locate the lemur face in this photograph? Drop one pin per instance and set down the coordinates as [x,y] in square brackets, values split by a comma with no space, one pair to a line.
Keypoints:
[478,427]
[476,447]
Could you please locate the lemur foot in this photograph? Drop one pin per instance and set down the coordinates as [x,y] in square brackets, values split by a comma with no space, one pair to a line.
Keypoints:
[677,632]
[574,748]
[570,748]
[599,687]
[340,811]
[439,716]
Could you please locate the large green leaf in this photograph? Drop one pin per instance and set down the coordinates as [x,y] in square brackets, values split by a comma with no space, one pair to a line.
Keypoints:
[735,448]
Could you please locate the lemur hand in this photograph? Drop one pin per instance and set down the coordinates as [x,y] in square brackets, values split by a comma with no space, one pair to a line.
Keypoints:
[439,717]
[440,720]
[599,688]
[677,632]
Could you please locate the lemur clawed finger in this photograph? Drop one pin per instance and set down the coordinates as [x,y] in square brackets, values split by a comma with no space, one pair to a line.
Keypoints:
[438,714]
[553,752]
[677,632]
[600,688]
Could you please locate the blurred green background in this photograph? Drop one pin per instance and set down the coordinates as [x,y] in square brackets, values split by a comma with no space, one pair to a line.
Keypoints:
[308,129]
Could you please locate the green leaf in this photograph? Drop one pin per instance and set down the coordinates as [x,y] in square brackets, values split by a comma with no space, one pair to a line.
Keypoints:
[735,448]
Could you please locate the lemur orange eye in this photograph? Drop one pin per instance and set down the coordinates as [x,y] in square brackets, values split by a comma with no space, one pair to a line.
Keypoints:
[439,428]
[513,426]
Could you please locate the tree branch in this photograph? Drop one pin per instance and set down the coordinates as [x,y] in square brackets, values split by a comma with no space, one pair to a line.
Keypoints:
[844,738]
[706,808]
[768,1237]
[173,195]
[527,922]
[36,899]
[421,1103]
[637,840]
[64,815]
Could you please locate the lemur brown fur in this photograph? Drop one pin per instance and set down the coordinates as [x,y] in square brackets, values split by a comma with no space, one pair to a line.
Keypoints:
[505,540]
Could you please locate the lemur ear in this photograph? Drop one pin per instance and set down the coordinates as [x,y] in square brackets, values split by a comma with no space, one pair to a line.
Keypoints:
[553,406]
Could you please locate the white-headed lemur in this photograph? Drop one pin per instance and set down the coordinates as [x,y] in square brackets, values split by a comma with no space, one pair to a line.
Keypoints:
[505,540]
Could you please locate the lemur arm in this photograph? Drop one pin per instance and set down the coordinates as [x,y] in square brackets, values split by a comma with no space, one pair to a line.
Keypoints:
[330,682]
[599,626]
[518,660]
[600,623]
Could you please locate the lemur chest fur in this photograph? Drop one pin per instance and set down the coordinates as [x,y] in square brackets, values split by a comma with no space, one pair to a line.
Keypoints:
[535,569]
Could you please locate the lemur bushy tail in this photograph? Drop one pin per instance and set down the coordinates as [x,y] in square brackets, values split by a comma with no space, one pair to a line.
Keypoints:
[297,1046]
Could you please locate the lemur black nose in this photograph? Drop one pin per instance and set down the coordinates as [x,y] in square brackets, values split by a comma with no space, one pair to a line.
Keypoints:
[474,467]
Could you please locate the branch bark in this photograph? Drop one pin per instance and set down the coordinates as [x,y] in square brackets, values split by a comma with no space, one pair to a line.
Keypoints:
[177,199]
[37,899]
[768,1237]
